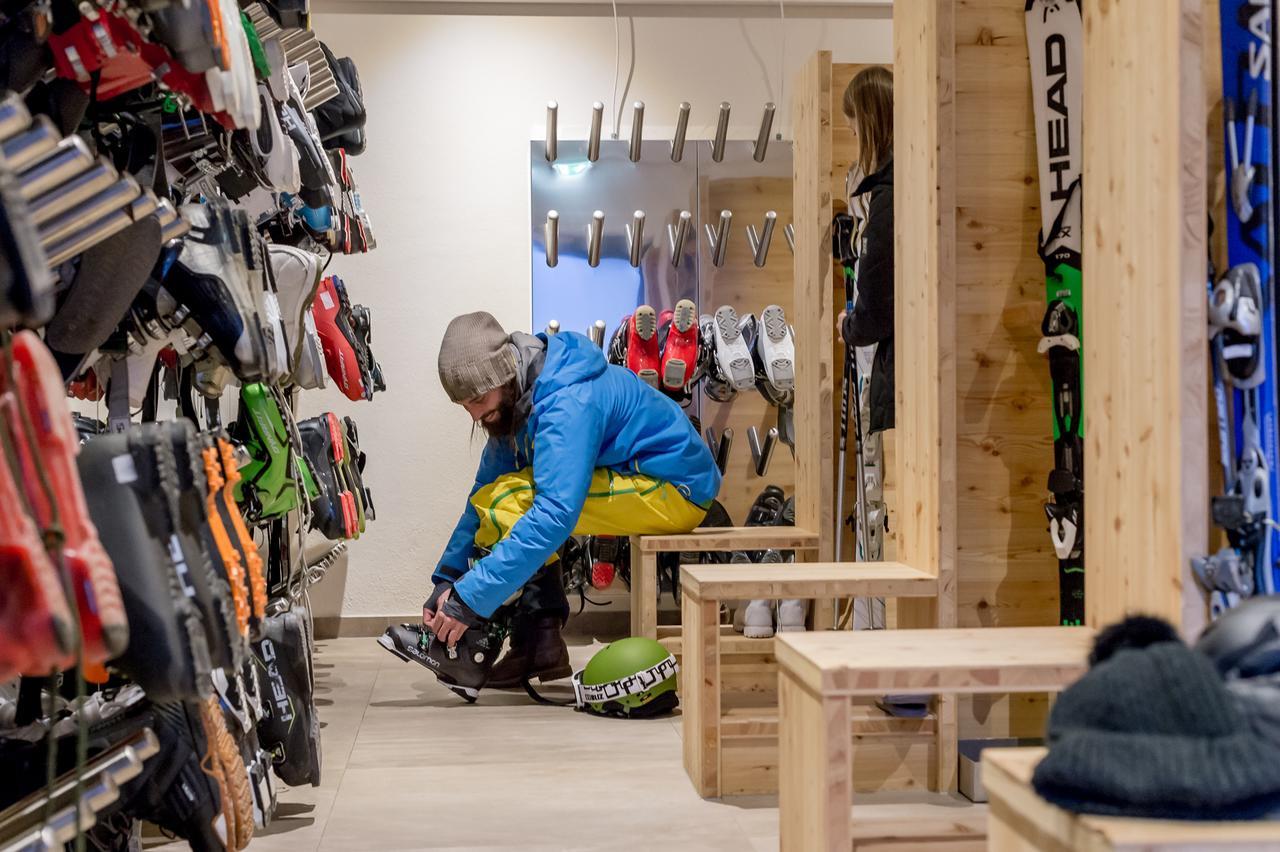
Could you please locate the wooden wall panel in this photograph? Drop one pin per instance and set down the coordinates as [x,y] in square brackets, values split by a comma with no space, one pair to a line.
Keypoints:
[814,319]
[1144,217]
[1005,562]
[924,288]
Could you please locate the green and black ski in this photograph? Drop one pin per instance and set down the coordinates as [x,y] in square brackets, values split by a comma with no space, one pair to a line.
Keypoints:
[1055,48]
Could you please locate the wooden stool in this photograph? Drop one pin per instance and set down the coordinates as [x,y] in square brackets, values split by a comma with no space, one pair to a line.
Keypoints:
[1021,820]
[819,673]
[644,571]
[704,587]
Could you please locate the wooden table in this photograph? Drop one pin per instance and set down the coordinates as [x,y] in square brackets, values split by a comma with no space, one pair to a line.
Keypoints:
[819,673]
[705,586]
[645,550]
[1019,820]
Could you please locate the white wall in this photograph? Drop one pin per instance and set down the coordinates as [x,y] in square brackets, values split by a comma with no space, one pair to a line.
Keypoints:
[452,103]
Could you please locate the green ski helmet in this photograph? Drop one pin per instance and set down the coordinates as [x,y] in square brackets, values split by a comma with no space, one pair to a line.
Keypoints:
[633,678]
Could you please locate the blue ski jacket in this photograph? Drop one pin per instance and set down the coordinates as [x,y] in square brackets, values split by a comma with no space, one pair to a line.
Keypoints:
[585,414]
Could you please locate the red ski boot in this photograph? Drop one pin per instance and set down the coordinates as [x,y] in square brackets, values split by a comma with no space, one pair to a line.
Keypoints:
[52,446]
[680,352]
[643,358]
[34,617]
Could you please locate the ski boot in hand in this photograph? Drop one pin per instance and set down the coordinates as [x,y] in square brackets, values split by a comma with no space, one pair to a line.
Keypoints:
[679,346]
[463,668]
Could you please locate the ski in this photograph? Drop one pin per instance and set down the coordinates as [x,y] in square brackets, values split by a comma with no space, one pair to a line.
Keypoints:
[1055,48]
[1242,333]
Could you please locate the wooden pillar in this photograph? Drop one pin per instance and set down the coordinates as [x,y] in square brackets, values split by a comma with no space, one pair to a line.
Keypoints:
[813,320]
[1146,465]
[924,330]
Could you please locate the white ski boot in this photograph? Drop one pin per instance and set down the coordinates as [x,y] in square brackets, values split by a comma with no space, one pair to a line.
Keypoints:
[777,348]
[731,350]
[757,619]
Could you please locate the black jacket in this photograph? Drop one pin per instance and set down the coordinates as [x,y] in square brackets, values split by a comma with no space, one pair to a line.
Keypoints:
[871,320]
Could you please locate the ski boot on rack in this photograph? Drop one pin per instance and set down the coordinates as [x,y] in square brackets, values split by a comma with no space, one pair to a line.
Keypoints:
[678,333]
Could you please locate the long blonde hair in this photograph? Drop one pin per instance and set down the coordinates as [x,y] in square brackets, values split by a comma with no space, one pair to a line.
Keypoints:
[868,101]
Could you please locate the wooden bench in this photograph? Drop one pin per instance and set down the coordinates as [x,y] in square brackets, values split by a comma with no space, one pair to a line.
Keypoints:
[735,752]
[820,673]
[645,550]
[1021,820]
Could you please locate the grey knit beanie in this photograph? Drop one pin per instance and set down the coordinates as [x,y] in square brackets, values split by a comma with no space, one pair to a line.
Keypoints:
[475,357]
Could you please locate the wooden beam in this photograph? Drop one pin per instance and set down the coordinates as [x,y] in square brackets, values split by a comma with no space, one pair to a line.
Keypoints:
[924,298]
[813,319]
[1146,466]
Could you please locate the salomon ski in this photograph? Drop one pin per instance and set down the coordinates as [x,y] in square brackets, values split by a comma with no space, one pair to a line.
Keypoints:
[1055,47]
[1242,318]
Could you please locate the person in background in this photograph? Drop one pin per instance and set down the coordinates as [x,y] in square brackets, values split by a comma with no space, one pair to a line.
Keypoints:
[868,107]
[868,328]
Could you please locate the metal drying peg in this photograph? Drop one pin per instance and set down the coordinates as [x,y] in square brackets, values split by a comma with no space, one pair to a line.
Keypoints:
[637,131]
[677,234]
[593,141]
[760,241]
[762,455]
[635,237]
[762,141]
[553,110]
[595,231]
[551,235]
[553,328]
[722,133]
[718,237]
[682,128]
[596,332]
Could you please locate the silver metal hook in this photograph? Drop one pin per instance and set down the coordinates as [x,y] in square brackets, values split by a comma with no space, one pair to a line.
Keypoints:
[595,231]
[722,133]
[551,234]
[790,233]
[682,128]
[550,150]
[760,241]
[762,141]
[677,234]
[593,141]
[635,237]
[720,448]
[718,237]
[762,455]
[596,332]
[553,327]
[637,130]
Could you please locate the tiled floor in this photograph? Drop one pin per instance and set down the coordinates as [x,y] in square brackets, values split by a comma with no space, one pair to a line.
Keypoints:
[408,766]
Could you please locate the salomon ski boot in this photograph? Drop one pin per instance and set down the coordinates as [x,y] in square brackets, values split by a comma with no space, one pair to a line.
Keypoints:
[463,668]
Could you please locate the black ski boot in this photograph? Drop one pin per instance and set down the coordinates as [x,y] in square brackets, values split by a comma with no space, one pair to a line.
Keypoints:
[537,651]
[463,668]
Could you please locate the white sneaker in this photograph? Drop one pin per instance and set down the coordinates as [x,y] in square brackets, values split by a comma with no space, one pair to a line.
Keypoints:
[777,348]
[731,350]
[791,616]
[757,619]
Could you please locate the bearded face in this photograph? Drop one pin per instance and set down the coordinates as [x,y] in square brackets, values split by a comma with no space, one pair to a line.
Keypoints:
[495,411]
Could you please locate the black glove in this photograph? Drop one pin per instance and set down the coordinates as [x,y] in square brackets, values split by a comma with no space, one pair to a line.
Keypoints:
[456,608]
[433,602]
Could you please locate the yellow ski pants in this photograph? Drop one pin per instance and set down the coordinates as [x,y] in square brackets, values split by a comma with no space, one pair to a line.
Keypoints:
[617,504]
